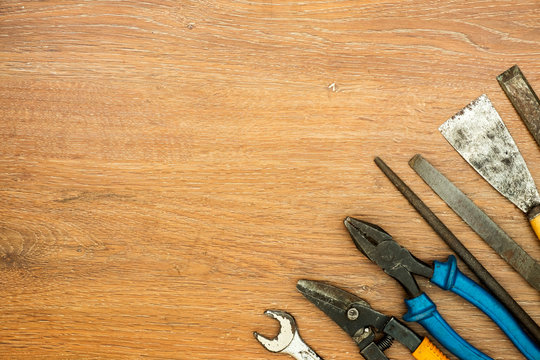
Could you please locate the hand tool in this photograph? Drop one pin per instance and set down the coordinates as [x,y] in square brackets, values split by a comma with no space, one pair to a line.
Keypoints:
[478,133]
[453,242]
[522,96]
[479,221]
[378,246]
[288,340]
[372,331]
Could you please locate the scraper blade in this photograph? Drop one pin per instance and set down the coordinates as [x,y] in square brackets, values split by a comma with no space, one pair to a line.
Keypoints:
[478,133]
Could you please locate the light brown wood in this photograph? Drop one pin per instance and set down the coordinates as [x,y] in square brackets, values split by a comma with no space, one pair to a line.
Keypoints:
[170,169]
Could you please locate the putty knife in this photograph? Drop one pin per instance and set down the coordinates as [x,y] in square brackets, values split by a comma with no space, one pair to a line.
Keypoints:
[479,135]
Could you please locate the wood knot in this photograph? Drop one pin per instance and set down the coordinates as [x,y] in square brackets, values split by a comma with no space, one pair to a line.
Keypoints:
[20,248]
[13,260]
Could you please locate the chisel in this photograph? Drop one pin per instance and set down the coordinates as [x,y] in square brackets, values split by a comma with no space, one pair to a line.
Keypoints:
[522,96]
[479,221]
[479,135]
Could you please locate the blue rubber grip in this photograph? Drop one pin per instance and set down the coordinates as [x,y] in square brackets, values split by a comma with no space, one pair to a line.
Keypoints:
[447,276]
[423,311]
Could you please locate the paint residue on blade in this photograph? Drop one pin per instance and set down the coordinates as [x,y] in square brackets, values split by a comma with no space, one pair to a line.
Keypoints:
[479,135]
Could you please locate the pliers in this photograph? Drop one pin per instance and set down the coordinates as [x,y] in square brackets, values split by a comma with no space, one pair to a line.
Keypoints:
[378,246]
[372,331]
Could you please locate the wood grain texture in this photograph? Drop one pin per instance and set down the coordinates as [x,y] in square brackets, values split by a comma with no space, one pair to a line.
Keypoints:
[170,169]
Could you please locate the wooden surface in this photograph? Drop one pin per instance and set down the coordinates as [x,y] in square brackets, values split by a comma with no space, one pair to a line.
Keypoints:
[170,169]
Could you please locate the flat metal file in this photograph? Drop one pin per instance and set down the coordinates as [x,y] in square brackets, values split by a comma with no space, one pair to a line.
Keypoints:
[523,97]
[457,246]
[479,221]
[479,135]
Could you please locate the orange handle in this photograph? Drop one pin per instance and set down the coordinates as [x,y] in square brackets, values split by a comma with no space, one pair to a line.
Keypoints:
[428,351]
[535,223]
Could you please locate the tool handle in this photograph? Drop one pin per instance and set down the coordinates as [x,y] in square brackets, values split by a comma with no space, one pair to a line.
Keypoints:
[305,354]
[422,310]
[447,276]
[299,350]
[428,351]
[535,223]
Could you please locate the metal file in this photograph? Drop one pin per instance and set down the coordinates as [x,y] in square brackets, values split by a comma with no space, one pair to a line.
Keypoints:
[479,221]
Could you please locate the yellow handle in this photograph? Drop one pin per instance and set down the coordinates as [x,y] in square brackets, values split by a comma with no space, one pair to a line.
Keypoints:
[428,351]
[535,223]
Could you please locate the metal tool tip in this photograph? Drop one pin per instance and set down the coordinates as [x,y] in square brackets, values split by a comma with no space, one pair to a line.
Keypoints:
[382,165]
[302,285]
[414,159]
[351,222]
[348,223]
[508,74]
[467,112]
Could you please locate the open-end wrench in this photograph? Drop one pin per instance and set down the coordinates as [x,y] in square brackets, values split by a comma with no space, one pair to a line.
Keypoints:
[287,341]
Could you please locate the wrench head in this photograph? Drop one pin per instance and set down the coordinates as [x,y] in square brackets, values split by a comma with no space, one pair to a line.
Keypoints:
[285,335]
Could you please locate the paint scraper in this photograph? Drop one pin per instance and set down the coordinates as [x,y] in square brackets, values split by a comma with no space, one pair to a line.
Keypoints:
[478,133]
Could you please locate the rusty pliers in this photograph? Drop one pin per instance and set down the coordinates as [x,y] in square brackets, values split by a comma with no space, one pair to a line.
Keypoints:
[371,330]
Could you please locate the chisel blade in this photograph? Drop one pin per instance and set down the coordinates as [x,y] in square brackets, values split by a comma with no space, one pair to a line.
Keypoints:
[523,97]
[479,221]
[478,133]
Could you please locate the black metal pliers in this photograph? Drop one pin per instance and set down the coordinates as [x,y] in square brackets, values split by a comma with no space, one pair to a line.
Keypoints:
[372,331]
[378,246]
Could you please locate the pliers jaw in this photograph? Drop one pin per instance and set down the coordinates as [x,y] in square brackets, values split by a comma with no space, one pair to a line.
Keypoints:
[378,246]
[347,310]
[372,331]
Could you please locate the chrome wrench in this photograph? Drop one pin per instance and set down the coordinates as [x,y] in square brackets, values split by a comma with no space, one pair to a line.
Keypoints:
[287,341]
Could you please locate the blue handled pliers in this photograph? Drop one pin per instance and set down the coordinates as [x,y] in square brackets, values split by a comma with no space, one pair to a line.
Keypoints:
[378,246]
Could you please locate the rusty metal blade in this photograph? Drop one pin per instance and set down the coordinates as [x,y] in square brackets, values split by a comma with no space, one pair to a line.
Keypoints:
[478,133]
[479,221]
[522,96]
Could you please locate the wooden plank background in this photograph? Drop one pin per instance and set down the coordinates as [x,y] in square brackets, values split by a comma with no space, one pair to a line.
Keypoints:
[170,169]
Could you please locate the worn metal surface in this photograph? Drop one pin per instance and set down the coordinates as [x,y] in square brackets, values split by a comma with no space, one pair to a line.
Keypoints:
[337,305]
[478,133]
[372,331]
[457,246]
[479,221]
[288,340]
[523,97]
[378,246]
